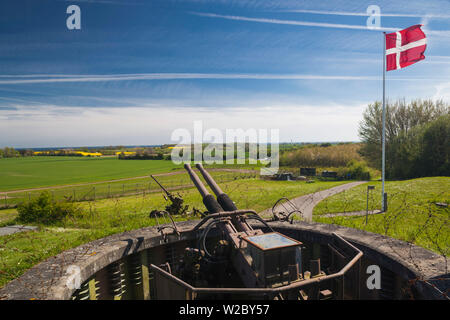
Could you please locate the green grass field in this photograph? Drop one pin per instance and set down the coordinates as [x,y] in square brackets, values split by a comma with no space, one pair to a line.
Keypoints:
[34,172]
[100,190]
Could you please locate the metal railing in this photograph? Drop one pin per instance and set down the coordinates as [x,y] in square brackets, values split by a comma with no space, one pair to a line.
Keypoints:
[169,286]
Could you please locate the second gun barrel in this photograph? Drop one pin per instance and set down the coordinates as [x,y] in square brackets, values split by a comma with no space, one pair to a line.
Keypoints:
[209,201]
[223,199]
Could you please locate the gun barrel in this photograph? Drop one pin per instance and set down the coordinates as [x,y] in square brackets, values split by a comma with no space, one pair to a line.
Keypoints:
[159,184]
[196,180]
[223,199]
[209,201]
[209,180]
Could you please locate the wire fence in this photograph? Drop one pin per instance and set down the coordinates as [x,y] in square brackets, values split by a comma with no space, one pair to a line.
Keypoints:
[131,187]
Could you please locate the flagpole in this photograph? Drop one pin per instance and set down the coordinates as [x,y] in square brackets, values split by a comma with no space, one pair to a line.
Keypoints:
[383,156]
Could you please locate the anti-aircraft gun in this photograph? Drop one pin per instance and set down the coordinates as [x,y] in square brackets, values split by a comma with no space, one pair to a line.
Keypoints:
[246,260]
[176,206]
[261,259]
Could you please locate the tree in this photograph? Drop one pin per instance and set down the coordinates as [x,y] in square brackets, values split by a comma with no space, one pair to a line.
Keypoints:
[422,152]
[434,151]
[8,153]
[401,118]
[404,153]
[26,152]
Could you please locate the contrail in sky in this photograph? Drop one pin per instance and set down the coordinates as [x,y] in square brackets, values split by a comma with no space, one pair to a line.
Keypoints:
[21,79]
[364,14]
[293,22]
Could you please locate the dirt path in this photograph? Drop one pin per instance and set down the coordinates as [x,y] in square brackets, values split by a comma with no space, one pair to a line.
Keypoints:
[307,202]
[350,214]
[2,193]
[4,231]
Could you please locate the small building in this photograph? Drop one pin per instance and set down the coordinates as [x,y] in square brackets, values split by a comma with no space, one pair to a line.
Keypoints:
[286,176]
[308,172]
[329,174]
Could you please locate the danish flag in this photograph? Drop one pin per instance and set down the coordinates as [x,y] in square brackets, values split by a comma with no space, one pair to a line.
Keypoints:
[405,47]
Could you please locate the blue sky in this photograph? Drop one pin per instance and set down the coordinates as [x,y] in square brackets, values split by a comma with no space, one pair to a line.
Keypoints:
[139,69]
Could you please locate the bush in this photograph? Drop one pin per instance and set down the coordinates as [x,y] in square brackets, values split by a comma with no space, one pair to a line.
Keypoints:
[315,156]
[142,156]
[356,170]
[45,210]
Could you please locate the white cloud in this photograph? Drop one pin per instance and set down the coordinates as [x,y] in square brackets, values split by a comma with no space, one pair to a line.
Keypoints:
[63,126]
[442,92]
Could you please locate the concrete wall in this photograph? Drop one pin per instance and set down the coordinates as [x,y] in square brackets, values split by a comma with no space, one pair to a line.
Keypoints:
[402,265]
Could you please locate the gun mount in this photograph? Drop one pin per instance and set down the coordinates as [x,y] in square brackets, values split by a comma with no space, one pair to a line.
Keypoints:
[233,258]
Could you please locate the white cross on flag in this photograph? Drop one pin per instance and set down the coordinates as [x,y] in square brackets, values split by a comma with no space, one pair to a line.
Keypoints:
[405,47]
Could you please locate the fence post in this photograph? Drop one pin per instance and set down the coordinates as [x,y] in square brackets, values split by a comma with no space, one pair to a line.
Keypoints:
[94,193]
[367,206]
[74,195]
[29,197]
[109,190]
[6,201]
[367,202]
[123,189]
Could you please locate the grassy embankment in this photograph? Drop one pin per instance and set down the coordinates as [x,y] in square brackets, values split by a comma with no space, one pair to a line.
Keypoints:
[412,213]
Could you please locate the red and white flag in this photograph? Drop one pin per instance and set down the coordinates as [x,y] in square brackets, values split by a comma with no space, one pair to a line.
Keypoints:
[405,47]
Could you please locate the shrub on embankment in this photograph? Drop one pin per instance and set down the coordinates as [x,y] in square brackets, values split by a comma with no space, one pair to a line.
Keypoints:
[46,210]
